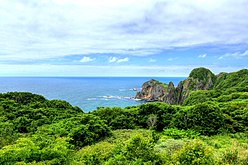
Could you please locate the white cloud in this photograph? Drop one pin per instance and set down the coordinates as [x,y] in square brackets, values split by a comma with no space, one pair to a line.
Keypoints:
[113,59]
[202,55]
[87,59]
[46,29]
[118,60]
[126,59]
[88,70]
[237,55]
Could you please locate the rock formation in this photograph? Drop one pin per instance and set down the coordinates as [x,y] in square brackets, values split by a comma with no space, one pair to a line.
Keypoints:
[199,79]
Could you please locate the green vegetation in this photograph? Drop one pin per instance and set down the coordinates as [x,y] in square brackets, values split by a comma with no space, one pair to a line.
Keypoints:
[164,85]
[211,127]
[236,80]
[202,74]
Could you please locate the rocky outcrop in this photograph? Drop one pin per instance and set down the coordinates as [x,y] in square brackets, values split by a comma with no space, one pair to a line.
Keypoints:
[199,79]
[156,91]
[152,91]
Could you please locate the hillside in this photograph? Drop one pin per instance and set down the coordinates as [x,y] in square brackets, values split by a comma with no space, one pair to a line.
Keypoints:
[199,79]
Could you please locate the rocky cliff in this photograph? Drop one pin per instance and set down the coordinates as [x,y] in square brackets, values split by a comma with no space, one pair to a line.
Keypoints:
[199,79]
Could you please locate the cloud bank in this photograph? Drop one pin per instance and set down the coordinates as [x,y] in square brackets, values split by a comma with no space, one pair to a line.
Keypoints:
[46,29]
[237,55]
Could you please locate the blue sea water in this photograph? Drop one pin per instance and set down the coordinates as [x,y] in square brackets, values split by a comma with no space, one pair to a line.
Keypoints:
[87,93]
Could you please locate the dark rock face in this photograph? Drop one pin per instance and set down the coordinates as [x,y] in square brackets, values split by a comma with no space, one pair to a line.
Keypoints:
[171,96]
[199,79]
[156,91]
[152,91]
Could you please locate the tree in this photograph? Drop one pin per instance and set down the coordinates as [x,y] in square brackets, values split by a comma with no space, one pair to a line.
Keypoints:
[152,120]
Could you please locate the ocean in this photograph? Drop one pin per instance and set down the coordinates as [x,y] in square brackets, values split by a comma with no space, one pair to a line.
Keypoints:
[88,93]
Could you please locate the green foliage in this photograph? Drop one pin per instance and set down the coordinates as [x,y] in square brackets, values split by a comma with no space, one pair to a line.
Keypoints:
[205,118]
[139,116]
[23,97]
[165,86]
[229,149]
[164,114]
[27,150]
[231,157]
[201,73]
[82,130]
[236,80]
[60,104]
[201,78]
[119,136]
[179,134]
[196,97]
[8,135]
[116,117]
[29,111]
[168,146]
[236,116]
[137,150]
[194,153]
[95,154]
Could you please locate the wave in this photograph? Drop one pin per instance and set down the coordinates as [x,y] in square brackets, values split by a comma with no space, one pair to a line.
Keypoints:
[116,97]
[109,97]
[89,99]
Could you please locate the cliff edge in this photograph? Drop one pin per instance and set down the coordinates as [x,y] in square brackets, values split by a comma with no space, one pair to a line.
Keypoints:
[199,79]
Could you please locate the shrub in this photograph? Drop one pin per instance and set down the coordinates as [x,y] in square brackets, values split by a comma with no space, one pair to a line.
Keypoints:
[231,157]
[136,150]
[194,153]
[196,97]
[163,112]
[205,118]
[7,133]
[28,150]
[116,118]
[82,130]
[179,134]
[94,154]
[169,146]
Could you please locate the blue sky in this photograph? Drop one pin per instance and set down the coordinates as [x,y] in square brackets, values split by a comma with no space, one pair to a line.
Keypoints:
[122,37]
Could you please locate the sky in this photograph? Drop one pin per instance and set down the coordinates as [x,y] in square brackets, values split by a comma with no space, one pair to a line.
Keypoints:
[140,38]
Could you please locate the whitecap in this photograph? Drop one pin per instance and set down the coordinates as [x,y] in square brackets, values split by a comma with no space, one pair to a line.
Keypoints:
[89,99]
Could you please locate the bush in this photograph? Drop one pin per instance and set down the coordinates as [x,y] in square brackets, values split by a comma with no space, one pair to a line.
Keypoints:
[7,133]
[179,134]
[205,118]
[194,153]
[94,154]
[196,97]
[169,146]
[29,150]
[163,113]
[23,97]
[231,157]
[116,118]
[136,150]
[82,130]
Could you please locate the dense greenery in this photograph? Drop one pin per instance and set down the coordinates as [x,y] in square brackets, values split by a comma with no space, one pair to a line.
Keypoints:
[202,74]
[209,128]
[232,80]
